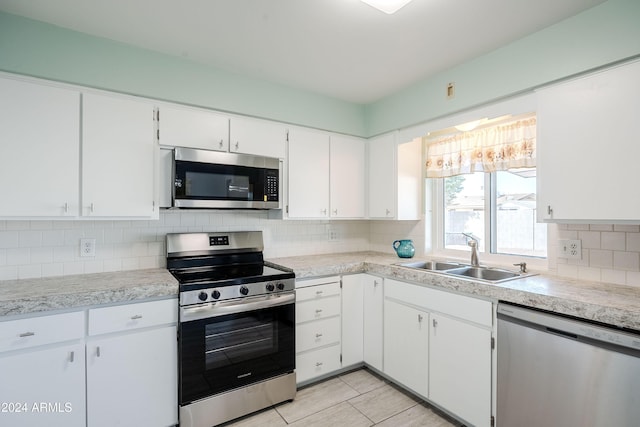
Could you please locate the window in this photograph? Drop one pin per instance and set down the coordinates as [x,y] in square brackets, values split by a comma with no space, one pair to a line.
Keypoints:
[486,188]
[498,209]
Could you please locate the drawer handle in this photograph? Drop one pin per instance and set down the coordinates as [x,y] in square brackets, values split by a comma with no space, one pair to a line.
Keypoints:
[136,317]
[319,292]
[318,364]
[318,335]
[26,334]
[318,311]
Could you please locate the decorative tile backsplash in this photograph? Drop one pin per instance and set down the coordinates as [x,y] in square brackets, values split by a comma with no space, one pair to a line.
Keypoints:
[28,249]
[610,253]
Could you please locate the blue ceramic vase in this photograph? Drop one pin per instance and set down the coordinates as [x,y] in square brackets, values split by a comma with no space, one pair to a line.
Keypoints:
[404,248]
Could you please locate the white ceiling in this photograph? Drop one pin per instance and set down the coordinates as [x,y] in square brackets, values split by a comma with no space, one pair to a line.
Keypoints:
[339,48]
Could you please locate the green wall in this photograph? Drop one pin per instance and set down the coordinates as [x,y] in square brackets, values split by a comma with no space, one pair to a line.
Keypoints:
[599,36]
[602,35]
[42,50]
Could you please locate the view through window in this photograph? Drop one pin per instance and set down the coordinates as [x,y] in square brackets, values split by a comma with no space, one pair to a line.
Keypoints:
[499,209]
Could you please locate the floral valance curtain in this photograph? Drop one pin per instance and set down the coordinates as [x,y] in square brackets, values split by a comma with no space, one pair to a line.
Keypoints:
[501,147]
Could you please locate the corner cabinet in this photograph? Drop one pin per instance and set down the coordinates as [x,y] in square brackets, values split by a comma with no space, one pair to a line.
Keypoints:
[118,157]
[588,148]
[395,178]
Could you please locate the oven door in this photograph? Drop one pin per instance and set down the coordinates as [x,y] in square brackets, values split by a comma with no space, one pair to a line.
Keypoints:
[230,344]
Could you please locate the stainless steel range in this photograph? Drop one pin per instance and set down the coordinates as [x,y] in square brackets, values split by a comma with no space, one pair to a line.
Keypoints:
[236,333]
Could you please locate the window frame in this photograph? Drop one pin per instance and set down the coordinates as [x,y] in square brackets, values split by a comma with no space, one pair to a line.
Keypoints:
[435,186]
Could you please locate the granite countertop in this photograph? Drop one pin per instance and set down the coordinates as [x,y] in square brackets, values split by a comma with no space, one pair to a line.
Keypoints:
[612,304]
[602,302]
[54,293]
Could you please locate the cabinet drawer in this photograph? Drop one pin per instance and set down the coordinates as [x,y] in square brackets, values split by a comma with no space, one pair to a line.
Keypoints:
[132,316]
[317,292]
[460,306]
[317,334]
[34,331]
[315,363]
[317,309]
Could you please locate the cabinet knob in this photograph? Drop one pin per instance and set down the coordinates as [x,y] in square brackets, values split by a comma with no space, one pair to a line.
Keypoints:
[324,211]
[66,207]
[549,210]
[335,211]
[136,317]
[318,364]
[388,212]
[375,283]
[26,334]
[435,323]
[318,311]
[98,351]
[71,356]
[237,144]
[221,143]
[420,318]
[318,335]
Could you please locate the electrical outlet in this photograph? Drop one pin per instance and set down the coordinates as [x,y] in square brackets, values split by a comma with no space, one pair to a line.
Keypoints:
[571,249]
[87,247]
[332,234]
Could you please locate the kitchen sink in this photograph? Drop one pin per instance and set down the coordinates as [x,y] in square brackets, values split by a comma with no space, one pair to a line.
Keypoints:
[449,268]
[432,265]
[484,273]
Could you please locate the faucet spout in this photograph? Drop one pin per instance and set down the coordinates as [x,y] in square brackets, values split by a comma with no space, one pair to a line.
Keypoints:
[473,243]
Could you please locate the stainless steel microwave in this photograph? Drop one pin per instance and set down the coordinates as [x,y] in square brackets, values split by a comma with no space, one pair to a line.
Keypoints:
[217,180]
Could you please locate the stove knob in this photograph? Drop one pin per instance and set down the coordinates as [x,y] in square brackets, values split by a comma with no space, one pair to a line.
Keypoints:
[215,294]
[280,286]
[244,290]
[203,296]
[270,287]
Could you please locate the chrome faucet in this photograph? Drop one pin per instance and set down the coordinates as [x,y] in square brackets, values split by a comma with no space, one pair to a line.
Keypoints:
[473,243]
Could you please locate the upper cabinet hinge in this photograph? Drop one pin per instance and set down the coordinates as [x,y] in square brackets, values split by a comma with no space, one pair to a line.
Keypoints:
[287,208]
[287,136]
[493,421]
[493,343]
[158,135]
[340,357]
[340,283]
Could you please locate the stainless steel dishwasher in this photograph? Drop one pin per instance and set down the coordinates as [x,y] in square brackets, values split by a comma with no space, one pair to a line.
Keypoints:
[559,372]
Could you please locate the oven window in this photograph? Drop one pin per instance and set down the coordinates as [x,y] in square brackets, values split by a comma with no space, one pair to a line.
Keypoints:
[238,340]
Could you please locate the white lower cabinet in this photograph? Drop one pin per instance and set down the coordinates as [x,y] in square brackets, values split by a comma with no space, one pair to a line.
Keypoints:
[406,334]
[373,301]
[123,374]
[352,319]
[132,368]
[131,379]
[460,368]
[318,327]
[439,345]
[43,387]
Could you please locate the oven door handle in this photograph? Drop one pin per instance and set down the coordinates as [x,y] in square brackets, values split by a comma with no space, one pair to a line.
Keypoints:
[224,308]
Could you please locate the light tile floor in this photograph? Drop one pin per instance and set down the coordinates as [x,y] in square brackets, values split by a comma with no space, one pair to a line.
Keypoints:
[355,399]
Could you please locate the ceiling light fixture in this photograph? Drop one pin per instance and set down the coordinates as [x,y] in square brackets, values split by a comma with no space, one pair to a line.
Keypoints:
[387,6]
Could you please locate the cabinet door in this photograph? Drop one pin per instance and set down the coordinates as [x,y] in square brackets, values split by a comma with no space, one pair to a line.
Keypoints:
[308,174]
[373,325]
[347,175]
[118,157]
[588,148]
[352,319]
[43,387]
[40,137]
[409,180]
[132,379]
[190,127]
[460,369]
[406,338]
[382,178]
[259,137]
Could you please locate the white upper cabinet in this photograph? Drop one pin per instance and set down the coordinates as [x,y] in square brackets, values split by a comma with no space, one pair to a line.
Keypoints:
[347,177]
[395,178]
[308,174]
[40,139]
[588,148]
[258,137]
[118,157]
[192,127]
